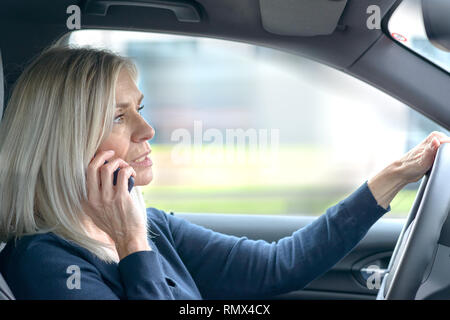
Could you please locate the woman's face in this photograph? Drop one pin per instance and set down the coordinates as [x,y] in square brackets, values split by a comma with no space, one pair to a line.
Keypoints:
[130,131]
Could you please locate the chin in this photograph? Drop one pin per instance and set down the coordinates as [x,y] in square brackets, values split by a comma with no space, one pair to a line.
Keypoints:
[144,178]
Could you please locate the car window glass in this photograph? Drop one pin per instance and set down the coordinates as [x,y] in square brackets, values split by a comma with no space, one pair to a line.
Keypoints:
[247,129]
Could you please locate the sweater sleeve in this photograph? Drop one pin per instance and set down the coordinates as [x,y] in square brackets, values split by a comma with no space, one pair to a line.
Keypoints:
[143,278]
[225,266]
[44,270]
[48,269]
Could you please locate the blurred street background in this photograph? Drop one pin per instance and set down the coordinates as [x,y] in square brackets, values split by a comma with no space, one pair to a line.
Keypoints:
[334,132]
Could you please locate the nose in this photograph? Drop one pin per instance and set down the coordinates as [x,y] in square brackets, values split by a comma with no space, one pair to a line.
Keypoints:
[143,131]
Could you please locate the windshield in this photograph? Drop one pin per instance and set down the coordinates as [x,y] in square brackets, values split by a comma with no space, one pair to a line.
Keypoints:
[406,26]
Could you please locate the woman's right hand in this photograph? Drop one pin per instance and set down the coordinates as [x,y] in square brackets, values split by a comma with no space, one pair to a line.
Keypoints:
[111,208]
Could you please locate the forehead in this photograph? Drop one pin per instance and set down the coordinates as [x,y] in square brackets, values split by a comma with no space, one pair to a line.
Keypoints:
[126,89]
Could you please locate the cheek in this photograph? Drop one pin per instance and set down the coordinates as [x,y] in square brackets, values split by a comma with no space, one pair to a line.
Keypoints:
[119,145]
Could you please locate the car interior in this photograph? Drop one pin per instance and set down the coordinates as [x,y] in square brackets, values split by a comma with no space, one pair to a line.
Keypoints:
[412,253]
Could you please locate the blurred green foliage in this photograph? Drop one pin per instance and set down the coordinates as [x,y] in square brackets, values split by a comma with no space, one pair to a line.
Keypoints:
[258,200]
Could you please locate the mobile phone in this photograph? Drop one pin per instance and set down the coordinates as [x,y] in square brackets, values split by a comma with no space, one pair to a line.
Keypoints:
[130,180]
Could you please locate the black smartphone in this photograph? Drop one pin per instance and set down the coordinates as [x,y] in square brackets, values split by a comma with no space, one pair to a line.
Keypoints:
[130,180]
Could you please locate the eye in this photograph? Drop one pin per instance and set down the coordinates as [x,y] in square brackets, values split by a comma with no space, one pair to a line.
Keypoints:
[118,119]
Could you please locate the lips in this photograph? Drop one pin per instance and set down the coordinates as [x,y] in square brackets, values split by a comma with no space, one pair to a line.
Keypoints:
[147,162]
[140,159]
[143,160]
[142,156]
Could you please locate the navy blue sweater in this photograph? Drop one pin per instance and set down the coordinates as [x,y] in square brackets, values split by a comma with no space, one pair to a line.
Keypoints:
[188,261]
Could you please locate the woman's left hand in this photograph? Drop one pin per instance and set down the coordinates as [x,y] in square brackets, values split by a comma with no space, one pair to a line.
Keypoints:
[415,163]
[409,168]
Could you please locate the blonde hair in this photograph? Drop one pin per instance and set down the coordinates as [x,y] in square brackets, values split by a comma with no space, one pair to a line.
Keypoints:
[61,109]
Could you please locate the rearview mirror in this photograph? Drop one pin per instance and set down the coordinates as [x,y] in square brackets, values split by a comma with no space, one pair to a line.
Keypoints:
[436,18]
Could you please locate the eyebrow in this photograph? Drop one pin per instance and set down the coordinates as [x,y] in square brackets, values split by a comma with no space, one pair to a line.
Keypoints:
[124,105]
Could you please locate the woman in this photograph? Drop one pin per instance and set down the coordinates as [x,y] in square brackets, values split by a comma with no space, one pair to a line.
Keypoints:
[72,234]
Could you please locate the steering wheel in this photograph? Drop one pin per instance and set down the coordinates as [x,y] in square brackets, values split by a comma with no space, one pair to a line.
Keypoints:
[421,233]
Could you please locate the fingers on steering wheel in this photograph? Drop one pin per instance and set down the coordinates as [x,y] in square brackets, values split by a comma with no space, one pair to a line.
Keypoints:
[440,136]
